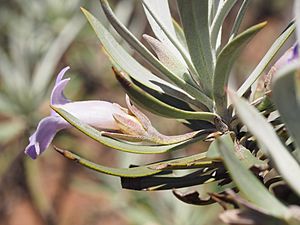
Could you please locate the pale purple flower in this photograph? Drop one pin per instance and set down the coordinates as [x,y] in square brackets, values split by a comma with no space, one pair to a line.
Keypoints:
[98,114]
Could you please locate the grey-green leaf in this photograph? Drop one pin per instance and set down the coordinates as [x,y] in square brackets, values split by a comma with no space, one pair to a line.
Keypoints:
[219,19]
[243,154]
[194,17]
[162,10]
[121,145]
[158,107]
[125,62]
[225,61]
[286,98]
[270,143]
[251,187]
[265,61]
[238,19]
[166,56]
[120,172]
[140,48]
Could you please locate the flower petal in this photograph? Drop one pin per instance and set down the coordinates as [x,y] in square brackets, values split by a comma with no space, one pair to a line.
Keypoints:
[57,95]
[290,55]
[61,74]
[95,113]
[295,52]
[44,134]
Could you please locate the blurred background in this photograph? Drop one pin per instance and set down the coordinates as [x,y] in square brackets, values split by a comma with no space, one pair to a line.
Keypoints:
[39,38]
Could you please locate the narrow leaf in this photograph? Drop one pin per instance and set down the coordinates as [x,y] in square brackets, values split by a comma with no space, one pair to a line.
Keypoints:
[194,17]
[179,34]
[225,61]
[166,181]
[219,19]
[158,107]
[271,144]
[125,62]
[213,6]
[137,171]
[238,19]
[165,55]
[141,49]
[251,187]
[284,94]
[265,61]
[173,40]
[121,145]
[120,172]
[162,11]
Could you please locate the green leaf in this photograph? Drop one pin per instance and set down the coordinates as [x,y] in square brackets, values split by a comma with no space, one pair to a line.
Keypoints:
[120,172]
[132,177]
[213,6]
[121,145]
[270,143]
[162,12]
[219,19]
[286,98]
[179,34]
[243,154]
[158,107]
[194,17]
[225,61]
[140,48]
[247,183]
[265,61]
[166,56]
[173,40]
[125,62]
[238,19]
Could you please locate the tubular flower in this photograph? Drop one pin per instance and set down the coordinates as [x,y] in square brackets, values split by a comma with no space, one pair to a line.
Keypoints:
[118,122]
[95,113]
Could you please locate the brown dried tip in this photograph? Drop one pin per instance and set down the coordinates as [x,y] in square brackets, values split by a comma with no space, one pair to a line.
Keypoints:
[122,78]
[192,197]
[59,150]
[65,153]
